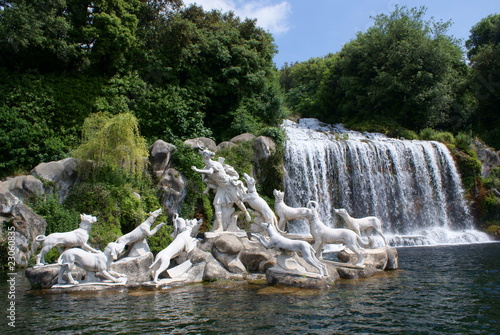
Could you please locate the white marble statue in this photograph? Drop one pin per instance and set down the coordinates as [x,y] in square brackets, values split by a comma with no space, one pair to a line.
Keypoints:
[75,238]
[136,239]
[265,213]
[276,240]
[229,191]
[368,225]
[286,213]
[91,262]
[323,234]
[183,243]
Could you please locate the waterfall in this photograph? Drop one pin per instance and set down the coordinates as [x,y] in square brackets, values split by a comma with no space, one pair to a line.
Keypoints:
[412,186]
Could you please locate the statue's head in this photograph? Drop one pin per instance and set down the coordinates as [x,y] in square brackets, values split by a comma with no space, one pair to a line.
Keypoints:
[87,221]
[156,213]
[114,249]
[278,195]
[206,154]
[340,211]
[267,226]
[249,179]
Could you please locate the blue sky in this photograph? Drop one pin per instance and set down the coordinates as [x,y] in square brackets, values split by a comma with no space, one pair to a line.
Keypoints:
[306,29]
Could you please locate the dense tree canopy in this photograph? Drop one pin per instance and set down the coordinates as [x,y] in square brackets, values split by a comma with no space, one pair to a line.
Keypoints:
[181,71]
[403,69]
[484,55]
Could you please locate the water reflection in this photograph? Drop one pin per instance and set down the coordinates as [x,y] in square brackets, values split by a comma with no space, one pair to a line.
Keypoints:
[438,290]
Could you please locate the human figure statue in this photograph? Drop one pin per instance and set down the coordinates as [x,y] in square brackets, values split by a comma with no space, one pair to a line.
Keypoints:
[229,191]
[71,239]
[136,239]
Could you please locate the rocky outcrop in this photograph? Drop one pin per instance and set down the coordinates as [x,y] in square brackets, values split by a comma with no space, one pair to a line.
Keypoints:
[62,174]
[205,142]
[171,184]
[488,157]
[242,138]
[263,147]
[28,225]
[20,187]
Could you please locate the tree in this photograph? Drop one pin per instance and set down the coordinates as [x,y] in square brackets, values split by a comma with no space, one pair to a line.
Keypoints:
[113,142]
[402,70]
[301,83]
[224,64]
[484,55]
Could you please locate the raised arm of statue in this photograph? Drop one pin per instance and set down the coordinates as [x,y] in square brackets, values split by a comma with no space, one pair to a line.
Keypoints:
[204,171]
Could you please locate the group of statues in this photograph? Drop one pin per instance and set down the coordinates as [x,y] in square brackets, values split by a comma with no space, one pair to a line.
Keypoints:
[229,191]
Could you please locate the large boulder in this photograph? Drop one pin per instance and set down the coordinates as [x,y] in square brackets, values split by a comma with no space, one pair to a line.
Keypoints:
[7,199]
[382,258]
[205,142]
[23,187]
[135,268]
[243,138]
[62,173]
[171,184]
[263,147]
[160,157]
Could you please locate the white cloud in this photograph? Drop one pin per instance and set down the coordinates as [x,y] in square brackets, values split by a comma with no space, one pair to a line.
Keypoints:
[270,15]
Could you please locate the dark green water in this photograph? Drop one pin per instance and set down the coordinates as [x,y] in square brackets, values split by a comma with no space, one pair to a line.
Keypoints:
[438,290]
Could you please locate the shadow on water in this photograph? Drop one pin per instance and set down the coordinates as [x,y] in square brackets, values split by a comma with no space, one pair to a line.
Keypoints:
[438,290]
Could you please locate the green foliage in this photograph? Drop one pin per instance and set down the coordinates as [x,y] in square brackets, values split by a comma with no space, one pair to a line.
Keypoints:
[225,65]
[463,141]
[484,55]
[402,71]
[34,110]
[181,71]
[196,203]
[58,217]
[112,143]
[239,156]
[161,239]
[97,199]
[301,83]
[469,168]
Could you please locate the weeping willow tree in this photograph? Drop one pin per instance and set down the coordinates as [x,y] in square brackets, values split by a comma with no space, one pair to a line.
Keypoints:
[111,143]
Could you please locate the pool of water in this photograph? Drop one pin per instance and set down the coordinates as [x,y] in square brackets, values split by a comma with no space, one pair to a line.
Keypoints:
[437,290]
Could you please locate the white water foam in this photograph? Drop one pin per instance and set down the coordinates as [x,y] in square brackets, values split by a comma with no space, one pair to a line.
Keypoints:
[412,186]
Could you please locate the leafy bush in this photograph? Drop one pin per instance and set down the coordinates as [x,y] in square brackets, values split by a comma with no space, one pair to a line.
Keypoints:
[58,217]
[463,141]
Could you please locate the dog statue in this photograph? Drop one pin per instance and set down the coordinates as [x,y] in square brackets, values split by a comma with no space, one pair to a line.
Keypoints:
[98,263]
[286,213]
[71,239]
[369,225]
[323,234]
[183,242]
[258,204]
[137,237]
[276,240]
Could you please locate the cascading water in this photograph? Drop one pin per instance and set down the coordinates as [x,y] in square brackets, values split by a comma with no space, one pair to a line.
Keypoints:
[412,186]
